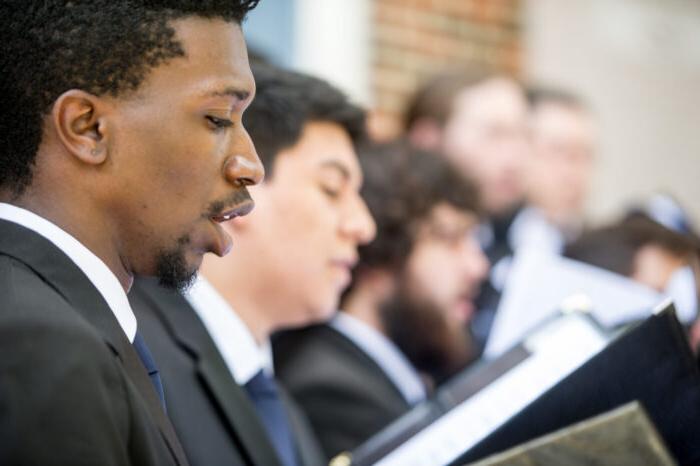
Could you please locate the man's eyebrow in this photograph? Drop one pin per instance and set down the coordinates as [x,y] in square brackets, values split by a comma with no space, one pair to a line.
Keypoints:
[231,91]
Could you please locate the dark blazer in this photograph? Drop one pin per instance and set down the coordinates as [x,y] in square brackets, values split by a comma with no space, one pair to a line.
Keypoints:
[214,417]
[345,394]
[72,388]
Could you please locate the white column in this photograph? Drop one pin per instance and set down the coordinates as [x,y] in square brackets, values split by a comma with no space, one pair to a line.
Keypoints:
[332,41]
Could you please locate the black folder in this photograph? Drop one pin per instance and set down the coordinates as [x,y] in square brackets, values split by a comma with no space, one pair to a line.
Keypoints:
[650,362]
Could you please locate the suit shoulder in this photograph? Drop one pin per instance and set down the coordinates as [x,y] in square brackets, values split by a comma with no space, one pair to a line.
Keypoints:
[36,316]
[56,375]
[30,304]
[22,288]
[320,356]
[316,343]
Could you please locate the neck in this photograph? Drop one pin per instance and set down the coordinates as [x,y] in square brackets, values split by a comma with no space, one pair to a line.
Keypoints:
[364,306]
[238,289]
[89,234]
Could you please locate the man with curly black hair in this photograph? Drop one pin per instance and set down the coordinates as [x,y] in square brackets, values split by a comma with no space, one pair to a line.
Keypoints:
[122,151]
[403,318]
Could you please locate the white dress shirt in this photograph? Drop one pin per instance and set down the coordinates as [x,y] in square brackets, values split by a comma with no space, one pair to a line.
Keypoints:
[385,353]
[531,229]
[241,353]
[92,266]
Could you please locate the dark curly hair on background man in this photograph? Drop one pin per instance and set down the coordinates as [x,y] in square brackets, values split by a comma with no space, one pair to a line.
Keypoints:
[99,46]
[402,186]
[285,101]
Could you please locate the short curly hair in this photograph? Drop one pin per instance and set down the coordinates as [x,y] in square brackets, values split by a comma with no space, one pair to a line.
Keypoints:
[105,47]
[402,187]
[285,101]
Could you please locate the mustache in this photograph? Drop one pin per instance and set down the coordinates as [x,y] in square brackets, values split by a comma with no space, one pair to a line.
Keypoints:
[234,199]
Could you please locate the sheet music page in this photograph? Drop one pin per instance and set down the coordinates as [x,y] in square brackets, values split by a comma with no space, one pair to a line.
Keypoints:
[554,357]
[538,284]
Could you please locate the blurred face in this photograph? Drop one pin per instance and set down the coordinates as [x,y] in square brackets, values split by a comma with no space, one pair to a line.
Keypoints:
[562,161]
[486,138]
[446,265]
[181,158]
[433,299]
[654,266]
[309,222]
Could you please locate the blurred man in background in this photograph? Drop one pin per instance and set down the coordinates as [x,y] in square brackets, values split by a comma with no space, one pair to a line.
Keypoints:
[557,176]
[648,252]
[402,321]
[479,122]
[645,251]
[294,258]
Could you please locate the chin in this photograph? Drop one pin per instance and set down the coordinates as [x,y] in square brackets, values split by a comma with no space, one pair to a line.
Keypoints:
[323,313]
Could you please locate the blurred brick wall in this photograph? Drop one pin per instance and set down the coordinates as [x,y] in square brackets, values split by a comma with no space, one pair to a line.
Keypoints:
[414,39]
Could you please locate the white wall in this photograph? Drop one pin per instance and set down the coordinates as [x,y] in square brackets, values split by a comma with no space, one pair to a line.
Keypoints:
[637,63]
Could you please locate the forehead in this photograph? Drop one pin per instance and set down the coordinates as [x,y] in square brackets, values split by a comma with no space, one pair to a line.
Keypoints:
[448,215]
[215,62]
[560,119]
[322,146]
[497,99]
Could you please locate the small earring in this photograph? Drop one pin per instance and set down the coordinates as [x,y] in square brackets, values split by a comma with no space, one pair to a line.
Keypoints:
[95,152]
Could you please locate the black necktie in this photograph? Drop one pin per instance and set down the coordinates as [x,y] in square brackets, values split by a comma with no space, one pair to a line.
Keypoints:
[262,390]
[150,365]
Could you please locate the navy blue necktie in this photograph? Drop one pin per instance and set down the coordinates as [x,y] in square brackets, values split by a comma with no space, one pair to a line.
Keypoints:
[150,365]
[262,390]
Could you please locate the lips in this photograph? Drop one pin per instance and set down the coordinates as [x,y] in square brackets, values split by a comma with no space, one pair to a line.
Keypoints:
[464,310]
[242,209]
[345,265]
[348,263]
[222,243]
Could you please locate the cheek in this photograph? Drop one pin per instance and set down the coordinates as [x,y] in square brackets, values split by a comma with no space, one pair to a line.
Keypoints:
[309,220]
[175,156]
[431,274]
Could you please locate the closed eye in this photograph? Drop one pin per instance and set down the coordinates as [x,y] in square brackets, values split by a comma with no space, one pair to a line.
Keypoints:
[332,193]
[219,123]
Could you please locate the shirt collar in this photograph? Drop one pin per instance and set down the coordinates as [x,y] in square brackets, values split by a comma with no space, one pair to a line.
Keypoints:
[241,353]
[385,353]
[92,266]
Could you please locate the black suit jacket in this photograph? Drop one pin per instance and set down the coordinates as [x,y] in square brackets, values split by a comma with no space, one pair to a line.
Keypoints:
[345,394]
[216,421]
[72,388]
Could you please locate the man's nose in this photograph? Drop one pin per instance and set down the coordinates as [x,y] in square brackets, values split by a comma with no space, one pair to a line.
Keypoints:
[243,167]
[475,260]
[358,222]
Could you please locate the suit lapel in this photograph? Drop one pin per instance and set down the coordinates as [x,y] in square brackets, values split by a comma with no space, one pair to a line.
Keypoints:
[61,273]
[239,412]
[364,359]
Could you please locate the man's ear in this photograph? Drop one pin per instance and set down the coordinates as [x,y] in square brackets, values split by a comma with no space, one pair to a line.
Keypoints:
[426,134]
[78,118]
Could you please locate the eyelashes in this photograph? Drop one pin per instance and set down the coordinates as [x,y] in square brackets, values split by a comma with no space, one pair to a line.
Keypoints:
[332,193]
[219,124]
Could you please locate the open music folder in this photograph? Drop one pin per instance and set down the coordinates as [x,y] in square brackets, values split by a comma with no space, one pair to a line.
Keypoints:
[564,372]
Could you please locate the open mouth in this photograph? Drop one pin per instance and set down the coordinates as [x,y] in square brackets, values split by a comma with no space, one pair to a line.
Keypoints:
[238,211]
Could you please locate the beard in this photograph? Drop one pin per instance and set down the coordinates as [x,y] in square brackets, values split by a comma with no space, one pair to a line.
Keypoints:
[434,345]
[172,269]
